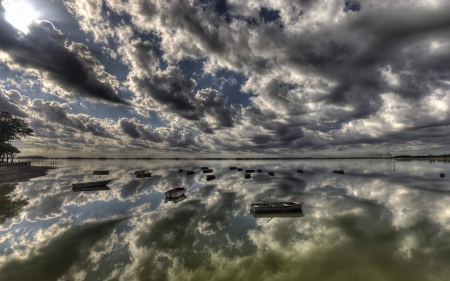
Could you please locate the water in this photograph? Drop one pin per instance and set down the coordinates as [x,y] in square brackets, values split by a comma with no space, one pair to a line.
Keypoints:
[372,223]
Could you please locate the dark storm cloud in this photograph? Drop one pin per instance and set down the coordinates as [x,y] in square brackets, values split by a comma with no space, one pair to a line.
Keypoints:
[62,253]
[44,49]
[173,91]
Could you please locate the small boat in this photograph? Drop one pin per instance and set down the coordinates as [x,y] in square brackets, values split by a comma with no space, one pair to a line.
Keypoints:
[78,189]
[139,172]
[249,171]
[276,207]
[175,193]
[180,170]
[442,175]
[338,171]
[239,169]
[176,200]
[300,171]
[91,184]
[205,171]
[247,176]
[259,170]
[271,174]
[144,175]
[100,172]
[233,168]
[204,168]
[190,173]
[210,177]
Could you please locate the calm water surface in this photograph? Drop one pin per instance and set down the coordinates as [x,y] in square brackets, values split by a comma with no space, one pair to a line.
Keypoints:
[372,223]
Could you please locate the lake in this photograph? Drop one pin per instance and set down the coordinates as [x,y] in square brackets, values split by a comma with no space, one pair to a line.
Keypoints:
[371,223]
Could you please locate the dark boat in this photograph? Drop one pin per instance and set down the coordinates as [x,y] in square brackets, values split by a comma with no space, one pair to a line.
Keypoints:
[144,175]
[442,175]
[276,207]
[249,171]
[139,172]
[239,169]
[190,173]
[180,170]
[210,177]
[271,174]
[100,172]
[233,168]
[259,170]
[176,200]
[247,176]
[205,171]
[300,171]
[204,168]
[79,189]
[338,171]
[91,184]
[175,193]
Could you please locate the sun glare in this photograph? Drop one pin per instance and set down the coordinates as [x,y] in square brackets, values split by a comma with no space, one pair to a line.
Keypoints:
[19,14]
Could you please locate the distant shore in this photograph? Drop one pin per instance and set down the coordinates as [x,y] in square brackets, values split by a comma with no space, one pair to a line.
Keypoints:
[21,174]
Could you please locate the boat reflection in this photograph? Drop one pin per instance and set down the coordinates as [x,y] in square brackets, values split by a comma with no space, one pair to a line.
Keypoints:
[176,200]
[98,188]
[278,215]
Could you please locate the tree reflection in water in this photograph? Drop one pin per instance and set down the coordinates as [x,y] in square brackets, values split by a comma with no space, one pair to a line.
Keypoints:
[10,204]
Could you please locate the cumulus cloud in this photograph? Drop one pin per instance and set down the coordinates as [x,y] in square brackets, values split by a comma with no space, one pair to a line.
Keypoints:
[71,69]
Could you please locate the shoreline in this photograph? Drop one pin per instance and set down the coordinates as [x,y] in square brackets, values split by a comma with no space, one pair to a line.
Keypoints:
[24,173]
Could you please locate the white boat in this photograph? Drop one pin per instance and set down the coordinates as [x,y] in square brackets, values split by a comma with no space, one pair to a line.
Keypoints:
[175,193]
[276,207]
[91,184]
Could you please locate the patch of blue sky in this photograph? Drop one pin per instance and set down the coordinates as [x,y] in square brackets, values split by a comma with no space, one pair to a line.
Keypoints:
[269,15]
[226,81]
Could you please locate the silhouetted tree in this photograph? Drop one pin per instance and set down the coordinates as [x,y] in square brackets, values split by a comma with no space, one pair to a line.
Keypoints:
[8,151]
[12,128]
[10,204]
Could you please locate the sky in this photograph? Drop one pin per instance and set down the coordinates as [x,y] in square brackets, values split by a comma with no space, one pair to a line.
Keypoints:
[227,78]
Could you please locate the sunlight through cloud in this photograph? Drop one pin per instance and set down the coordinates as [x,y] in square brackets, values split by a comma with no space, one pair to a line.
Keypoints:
[20,14]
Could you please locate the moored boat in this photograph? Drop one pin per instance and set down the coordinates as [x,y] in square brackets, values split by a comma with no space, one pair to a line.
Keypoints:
[210,177]
[180,170]
[190,173]
[100,172]
[249,171]
[233,168]
[139,172]
[271,173]
[247,176]
[204,168]
[276,207]
[144,175]
[175,193]
[442,175]
[239,169]
[259,170]
[205,171]
[91,184]
[338,171]
[300,171]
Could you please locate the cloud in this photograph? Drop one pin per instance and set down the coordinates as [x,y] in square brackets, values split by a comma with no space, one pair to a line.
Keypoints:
[72,70]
